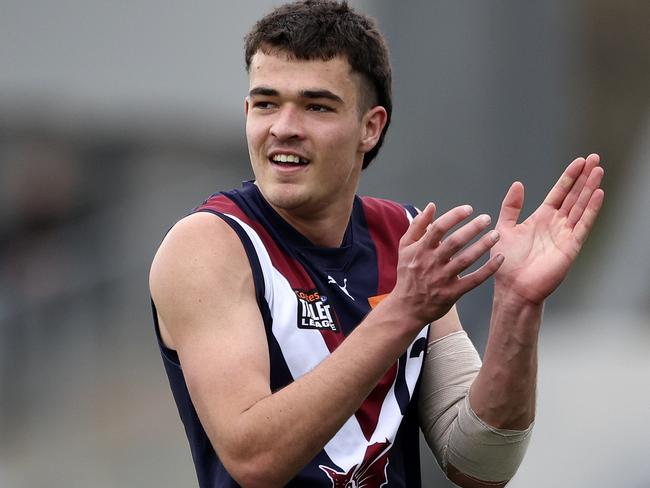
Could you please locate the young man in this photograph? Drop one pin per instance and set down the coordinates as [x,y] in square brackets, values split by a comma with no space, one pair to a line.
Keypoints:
[308,333]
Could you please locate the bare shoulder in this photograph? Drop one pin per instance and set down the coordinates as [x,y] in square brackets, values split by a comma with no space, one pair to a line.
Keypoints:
[196,236]
[199,255]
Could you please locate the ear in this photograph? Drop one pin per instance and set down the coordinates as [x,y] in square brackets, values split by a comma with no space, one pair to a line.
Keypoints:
[372,125]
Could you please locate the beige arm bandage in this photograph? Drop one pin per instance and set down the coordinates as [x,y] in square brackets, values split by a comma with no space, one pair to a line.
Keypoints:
[454,433]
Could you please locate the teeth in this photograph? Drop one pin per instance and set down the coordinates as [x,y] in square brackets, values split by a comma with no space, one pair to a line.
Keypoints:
[288,158]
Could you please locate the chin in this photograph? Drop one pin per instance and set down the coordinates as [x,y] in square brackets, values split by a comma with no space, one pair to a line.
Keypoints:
[285,197]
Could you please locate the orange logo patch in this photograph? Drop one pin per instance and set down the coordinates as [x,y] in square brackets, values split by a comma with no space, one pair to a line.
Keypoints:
[376,300]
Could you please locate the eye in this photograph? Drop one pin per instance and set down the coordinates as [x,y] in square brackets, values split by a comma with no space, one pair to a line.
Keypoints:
[314,107]
[263,104]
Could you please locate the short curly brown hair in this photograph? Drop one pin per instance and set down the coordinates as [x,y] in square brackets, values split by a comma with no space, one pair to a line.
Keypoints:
[324,29]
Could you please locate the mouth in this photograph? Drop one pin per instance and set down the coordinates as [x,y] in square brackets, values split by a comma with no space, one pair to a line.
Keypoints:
[288,160]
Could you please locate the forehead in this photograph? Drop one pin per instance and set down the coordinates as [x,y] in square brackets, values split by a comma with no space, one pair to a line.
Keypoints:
[287,75]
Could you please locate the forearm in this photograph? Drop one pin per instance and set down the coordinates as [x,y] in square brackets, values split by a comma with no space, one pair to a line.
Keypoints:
[471,453]
[503,394]
[277,435]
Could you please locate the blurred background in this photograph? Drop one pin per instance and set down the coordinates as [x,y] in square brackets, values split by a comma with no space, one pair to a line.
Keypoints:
[116,118]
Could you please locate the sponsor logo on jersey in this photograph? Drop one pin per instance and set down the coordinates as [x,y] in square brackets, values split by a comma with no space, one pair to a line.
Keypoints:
[343,288]
[370,473]
[376,300]
[314,312]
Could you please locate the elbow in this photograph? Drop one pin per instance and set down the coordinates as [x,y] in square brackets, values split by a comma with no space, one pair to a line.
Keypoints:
[465,481]
[480,456]
[255,469]
[250,476]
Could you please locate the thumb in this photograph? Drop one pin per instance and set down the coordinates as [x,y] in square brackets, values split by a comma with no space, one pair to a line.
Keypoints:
[511,206]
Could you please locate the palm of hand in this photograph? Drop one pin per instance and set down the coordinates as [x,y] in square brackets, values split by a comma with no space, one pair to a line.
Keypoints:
[539,253]
[540,250]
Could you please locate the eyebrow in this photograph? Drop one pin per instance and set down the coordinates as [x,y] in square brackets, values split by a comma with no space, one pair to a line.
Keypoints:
[265,92]
[311,94]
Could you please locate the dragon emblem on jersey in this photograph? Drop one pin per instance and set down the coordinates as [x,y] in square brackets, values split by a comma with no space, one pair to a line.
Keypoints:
[371,473]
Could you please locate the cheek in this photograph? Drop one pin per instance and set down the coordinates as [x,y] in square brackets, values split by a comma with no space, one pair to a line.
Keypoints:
[250,128]
[255,142]
[341,138]
[255,153]
[254,134]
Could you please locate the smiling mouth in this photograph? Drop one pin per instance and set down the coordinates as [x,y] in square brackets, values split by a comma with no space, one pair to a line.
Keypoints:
[288,160]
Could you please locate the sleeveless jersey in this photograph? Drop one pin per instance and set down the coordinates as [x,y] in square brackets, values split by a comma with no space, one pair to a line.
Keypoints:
[310,299]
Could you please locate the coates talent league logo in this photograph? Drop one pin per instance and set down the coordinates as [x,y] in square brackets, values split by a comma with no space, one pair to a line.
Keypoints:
[313,311]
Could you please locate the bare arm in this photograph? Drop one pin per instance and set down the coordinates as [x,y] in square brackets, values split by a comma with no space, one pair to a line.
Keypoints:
[264,438]
[539,253]
[450,367]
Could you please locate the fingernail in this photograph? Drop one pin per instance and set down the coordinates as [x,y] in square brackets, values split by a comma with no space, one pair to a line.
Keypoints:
[494,235]
[500,258]
[485,219]
[468,209]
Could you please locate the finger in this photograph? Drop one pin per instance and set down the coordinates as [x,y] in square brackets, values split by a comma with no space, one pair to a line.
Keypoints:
[472,280]
[575,192]
[562,187]
[586,222]
[511,206]
[592,184]
[594,156]
[444,223]
[470,255]
[461,237]
[419,224]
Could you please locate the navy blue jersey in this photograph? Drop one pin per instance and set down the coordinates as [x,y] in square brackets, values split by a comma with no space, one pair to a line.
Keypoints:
[310,299]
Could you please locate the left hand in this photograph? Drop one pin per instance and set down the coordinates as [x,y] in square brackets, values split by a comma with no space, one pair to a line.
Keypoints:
[539,251]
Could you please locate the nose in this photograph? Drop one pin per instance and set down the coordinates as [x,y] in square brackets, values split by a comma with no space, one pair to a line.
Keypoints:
[287,124]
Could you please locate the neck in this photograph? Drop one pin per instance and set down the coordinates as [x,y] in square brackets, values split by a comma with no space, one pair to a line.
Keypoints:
[325,228]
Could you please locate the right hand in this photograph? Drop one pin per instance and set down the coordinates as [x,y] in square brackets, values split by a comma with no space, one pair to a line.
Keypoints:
[429,264]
